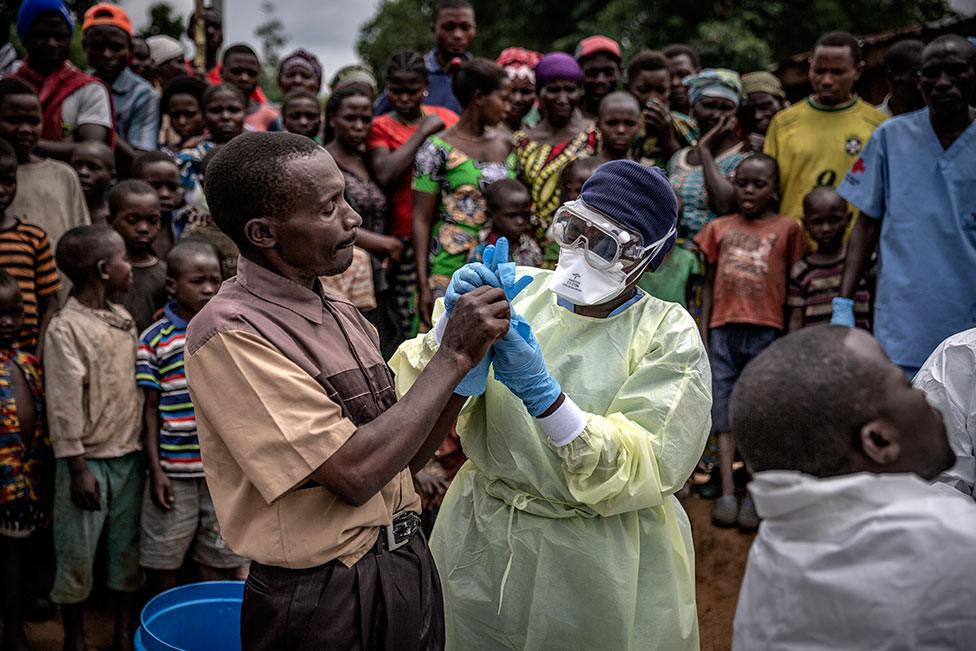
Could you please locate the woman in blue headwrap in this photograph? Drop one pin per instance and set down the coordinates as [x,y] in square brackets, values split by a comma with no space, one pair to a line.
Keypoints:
[700,177]
[697,172]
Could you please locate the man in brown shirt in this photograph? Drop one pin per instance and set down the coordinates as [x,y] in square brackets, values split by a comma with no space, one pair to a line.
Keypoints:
[307,452]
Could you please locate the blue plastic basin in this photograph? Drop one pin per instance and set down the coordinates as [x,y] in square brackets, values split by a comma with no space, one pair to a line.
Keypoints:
[195,617]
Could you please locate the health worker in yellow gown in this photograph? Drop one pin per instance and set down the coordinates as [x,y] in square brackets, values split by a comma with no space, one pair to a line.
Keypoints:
[562,530]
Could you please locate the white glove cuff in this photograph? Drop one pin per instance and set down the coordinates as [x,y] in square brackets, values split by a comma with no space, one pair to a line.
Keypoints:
[565,424]
[439,329]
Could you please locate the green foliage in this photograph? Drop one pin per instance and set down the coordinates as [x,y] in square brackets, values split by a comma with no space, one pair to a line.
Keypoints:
[740,34]
[163,20]
[273,38]
[732,44]
[77,52]
[397,25]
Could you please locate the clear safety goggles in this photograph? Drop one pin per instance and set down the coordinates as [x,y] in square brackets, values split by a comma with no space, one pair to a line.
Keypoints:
[603,240]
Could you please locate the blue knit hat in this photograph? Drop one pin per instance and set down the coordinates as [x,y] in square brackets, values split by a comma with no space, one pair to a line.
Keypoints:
[31,9]
[638,197]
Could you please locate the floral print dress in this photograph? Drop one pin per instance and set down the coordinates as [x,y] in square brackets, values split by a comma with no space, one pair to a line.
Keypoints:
[460,182]
[540,166]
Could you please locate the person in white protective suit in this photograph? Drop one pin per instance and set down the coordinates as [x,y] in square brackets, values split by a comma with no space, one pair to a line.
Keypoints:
[948,379]
[856,550]
[562,530]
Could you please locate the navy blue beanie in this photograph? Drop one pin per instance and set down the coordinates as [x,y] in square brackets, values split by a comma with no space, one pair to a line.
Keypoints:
[638,197]
[30,10]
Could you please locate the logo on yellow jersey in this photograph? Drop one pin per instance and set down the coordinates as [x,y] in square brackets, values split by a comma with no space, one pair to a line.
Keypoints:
[853,145]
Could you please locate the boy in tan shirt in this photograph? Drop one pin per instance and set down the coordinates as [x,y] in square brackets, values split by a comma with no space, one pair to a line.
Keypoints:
[94,419]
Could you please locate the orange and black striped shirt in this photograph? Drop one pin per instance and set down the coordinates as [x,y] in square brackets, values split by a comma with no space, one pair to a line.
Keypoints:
[26,255]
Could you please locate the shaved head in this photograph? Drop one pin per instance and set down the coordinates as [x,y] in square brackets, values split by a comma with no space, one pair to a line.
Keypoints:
[98,150]
[619,100]
[186,251]
[951,42]
[823,196]
[827,401]
[81,248]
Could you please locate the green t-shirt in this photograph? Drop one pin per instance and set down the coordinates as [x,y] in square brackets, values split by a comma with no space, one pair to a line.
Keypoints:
[670,281]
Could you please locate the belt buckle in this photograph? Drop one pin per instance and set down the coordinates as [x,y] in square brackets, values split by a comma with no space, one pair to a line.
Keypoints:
[401,530]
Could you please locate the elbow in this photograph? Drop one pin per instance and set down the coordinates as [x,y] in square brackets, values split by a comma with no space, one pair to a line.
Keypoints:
[723,204]
[354,497]
[383,178]
[354,486]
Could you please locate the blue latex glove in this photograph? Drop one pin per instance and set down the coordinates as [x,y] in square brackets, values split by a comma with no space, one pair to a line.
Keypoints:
[520,366]
[467,278]
[843,312]
[496,259]
[473,384]
[496,271]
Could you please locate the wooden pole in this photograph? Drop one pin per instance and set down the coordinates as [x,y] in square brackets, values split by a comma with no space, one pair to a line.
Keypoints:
[200,38]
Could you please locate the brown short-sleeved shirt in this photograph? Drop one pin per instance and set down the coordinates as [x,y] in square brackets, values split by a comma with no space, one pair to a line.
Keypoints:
[753,259]
[280,378]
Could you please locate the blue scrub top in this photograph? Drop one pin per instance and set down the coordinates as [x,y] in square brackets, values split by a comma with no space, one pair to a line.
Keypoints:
[925,197]
[439,91]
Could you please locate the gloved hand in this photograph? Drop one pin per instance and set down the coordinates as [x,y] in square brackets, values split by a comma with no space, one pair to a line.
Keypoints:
[496,259]
[496,271]
[473,384]
[520,366]
[469,277]
[843,312]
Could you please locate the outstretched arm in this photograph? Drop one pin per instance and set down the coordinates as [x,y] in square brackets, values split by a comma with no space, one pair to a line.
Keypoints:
[311,439]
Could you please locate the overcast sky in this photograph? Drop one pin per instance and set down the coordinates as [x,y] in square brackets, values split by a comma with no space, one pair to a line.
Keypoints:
[326,27]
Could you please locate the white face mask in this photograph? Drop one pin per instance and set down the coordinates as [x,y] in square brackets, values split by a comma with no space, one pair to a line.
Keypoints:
[580,284]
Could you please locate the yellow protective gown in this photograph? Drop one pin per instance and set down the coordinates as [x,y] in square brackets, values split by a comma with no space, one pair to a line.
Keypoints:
[584,546]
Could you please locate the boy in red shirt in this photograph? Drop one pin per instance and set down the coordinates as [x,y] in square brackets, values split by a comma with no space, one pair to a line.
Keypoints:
[749,256]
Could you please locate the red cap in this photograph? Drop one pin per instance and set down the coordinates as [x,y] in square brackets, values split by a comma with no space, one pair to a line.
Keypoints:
[108,14]
[599,43]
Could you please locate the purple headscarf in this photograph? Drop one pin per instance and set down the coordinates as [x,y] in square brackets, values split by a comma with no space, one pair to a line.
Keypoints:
[555,66]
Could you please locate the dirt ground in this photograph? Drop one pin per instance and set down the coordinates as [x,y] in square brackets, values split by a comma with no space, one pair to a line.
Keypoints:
[720,556]
[720,563]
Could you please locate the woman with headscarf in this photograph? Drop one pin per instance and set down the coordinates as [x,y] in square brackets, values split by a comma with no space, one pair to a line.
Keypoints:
[700,173]
[563,135]
[700,177]
[300,69]
[356,74]
[520,65]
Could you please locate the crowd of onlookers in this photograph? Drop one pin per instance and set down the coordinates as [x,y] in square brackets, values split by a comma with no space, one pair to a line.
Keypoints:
[789,216]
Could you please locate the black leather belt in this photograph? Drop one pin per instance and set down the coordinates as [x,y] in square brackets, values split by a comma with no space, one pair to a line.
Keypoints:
[405,524]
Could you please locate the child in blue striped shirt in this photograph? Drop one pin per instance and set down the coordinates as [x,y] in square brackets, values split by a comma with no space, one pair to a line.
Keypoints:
[177,509]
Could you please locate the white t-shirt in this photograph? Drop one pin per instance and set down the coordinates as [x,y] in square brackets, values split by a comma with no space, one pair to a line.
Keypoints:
[858,562]
[49,194]
[90,104]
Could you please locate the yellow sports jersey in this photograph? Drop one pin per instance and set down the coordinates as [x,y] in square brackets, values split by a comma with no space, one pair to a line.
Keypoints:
[817,146]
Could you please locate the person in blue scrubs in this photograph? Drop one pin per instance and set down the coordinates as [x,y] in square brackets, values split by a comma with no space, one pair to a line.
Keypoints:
[915,185]
[454,30]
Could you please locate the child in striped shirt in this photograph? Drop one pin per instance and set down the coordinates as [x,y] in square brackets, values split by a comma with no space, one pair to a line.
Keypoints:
[26,255]
[177,509]
[815,279]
